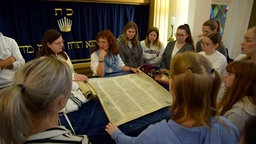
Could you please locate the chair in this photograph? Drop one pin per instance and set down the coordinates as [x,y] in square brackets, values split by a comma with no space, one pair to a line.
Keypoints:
[228,58]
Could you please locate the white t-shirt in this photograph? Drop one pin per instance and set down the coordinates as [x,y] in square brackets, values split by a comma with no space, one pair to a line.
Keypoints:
[218,61]
[175,50]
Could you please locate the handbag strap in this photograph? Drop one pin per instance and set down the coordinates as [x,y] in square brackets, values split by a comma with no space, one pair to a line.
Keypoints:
[69,123]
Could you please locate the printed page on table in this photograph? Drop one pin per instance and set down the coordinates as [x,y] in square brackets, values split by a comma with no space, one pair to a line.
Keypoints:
[125,98]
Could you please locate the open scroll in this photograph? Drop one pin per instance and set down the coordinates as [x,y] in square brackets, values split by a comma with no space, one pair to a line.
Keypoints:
[125,98]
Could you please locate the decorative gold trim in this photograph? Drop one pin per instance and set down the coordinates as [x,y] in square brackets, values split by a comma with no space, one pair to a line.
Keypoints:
[138,2]
[81,60]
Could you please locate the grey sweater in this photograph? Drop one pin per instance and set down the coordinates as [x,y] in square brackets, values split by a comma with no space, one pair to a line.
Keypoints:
[132,57]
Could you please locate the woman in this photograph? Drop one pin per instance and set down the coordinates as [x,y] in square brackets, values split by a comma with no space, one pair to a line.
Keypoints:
[130,48]
[105,56]
[184,42]
[152,48]
[194,115]
[30,106]
[52,45]
[210,26]
[210,44]
[248,45]
[239,101]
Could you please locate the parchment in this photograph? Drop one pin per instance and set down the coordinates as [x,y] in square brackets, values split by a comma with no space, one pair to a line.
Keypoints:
[125,98]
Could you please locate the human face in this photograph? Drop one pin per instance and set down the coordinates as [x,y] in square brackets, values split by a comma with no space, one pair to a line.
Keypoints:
[229,79]
[152,36]
[208,46]
[57,45]
[206,30]
[103,43]
[248,45]
[181,35]
[130,33]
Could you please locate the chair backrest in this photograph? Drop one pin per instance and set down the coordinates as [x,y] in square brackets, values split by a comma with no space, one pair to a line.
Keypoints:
[228,58]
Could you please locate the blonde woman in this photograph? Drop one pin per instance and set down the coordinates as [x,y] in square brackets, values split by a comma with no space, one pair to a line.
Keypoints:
[248,45]
[130,48]
[29,107]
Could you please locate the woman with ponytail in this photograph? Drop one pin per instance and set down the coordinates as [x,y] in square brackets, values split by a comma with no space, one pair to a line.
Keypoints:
[29,107]
[194,85]
[183,42]
[211,26]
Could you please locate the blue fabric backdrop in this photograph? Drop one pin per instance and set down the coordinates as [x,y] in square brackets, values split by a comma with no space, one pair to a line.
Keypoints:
[27,20]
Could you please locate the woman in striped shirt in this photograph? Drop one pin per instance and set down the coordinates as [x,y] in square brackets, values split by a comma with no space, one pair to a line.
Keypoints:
[29,107]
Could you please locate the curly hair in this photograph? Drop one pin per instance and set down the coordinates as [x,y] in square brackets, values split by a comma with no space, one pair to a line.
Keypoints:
[108,35]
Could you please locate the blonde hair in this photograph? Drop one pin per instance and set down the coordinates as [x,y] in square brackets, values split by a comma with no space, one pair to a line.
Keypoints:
[254,31]
[248,57]
[157,41]
[123,37]
[195,88]
[36,85]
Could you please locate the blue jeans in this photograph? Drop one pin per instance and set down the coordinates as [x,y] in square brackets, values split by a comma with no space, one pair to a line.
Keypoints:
[91,120]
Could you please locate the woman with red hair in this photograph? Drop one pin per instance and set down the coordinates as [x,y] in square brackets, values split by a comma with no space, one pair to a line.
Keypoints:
[105,56]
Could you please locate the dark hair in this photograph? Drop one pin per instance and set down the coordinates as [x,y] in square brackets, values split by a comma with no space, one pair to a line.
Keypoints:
[123,37]
[215,37]
[108,35]
[249,131]
[189,39]
[49,37]
[213,24]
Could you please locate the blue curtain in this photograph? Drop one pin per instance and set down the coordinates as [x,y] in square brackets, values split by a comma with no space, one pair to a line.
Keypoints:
[26,21]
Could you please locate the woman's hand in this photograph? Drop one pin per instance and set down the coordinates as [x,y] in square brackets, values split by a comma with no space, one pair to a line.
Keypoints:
[110,128]
[134,70]
[102,54]
[80,77]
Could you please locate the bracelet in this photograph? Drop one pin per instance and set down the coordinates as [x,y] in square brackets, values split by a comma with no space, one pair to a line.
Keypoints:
[101,61]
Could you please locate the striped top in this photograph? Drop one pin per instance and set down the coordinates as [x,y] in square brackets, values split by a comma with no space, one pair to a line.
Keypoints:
[57,135]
